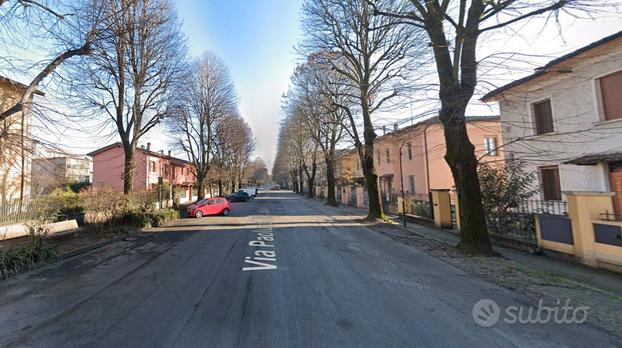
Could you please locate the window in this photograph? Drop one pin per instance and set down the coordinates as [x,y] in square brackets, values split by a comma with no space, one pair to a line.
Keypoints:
[551,187]
[411,180]
[211,202]
[610,90]
[491,146]
[152,166]
[388,156]
[543,117]
[410,151]
[378,155]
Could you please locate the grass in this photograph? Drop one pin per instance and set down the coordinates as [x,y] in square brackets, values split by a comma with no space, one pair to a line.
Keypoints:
[24,258]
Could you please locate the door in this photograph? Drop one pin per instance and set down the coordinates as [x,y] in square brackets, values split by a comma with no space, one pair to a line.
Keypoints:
[615,181]
[210,208]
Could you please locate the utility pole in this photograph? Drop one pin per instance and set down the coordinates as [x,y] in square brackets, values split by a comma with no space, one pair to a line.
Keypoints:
[402,184]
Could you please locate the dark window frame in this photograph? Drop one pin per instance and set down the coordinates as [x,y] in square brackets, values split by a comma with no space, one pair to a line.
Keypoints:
[551,183]
[601,97]
[543,127]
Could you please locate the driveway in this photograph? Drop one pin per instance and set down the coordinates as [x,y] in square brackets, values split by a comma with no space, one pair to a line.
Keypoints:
[281,271]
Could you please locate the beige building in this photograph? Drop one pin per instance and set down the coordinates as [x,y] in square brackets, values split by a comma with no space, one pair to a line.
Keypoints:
[15,144]
[564,121]
[59,170]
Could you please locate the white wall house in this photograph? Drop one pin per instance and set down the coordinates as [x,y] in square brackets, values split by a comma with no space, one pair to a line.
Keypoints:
[565,121]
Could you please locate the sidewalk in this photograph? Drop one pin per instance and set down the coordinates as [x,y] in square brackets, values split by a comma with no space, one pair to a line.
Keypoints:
[602,279]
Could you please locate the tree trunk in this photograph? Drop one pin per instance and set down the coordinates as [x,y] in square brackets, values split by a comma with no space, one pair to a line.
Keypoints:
[330,181]
[301,184]
[128,167]
[366,153]
[220,187]
[311,180]
[201,186]
[461,158]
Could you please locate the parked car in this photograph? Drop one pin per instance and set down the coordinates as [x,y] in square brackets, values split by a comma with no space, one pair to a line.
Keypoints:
[275,188]
[250,190]
[209,206]
[239,196]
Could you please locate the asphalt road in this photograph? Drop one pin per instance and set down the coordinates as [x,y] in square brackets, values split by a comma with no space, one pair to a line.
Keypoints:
[319,280]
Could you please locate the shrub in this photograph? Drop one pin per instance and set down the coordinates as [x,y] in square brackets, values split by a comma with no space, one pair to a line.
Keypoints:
[103,206]
[66,200]
[149,218]
[504,189]
[24,258]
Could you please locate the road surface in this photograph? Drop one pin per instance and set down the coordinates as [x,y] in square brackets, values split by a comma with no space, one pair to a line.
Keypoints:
[281,271]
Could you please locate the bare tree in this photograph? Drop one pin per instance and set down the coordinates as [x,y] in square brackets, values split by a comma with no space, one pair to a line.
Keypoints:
[67,30]
[132,69]
[231,152]
[371,53]
[453,28]
[319,91]
[207,95]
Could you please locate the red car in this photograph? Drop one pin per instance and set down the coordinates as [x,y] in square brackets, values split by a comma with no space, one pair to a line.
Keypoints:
[209,206]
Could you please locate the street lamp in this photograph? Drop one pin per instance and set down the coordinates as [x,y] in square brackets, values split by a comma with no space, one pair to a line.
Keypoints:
[402,184]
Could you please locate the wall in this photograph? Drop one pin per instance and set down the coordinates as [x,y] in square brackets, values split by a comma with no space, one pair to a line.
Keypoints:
[108,169]
[432,135]
[577,120]
[10,148]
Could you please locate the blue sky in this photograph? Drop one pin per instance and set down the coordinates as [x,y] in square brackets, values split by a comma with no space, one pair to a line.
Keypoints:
[256,39]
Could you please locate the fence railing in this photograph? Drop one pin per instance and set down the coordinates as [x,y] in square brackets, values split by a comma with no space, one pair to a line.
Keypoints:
[14,212]
[535,206]
[607,216]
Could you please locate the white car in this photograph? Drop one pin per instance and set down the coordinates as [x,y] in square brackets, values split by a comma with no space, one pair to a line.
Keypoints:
[252,191]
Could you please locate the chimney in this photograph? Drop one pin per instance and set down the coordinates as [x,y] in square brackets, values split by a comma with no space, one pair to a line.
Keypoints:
[395,126]
[162,152]
[169,153]
[384,130]
[148,146]
[142,146]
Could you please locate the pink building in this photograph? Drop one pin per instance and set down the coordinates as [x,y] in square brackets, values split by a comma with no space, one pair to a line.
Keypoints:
[149,166]
[423,161]
[423,152]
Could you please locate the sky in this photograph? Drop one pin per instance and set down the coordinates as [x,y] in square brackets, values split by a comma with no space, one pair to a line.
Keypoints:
[256,39]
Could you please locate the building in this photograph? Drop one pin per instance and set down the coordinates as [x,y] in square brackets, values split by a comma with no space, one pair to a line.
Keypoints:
[423,163]
[423,151]
[15,144]
[564,121]
[108,168]
[58,170]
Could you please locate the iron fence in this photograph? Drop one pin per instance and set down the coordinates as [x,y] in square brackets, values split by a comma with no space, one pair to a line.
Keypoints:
[607,216]
[14,212]
[518,221]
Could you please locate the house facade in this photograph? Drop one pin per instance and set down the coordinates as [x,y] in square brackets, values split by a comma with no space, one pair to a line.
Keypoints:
[61,169]
[423,149]
[564,121]
[108,167]
[422,163]
[15,144]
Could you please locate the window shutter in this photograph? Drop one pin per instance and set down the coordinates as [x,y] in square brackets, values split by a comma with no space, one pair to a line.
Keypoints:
[543,116]
[551,187]
[611,93]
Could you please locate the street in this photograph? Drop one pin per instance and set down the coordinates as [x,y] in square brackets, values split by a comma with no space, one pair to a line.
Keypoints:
[281,271]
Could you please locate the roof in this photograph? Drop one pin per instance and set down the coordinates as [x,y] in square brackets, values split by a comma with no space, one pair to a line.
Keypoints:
[148,152]
[437,120]
[592,159]
[547,68]
[19,85]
